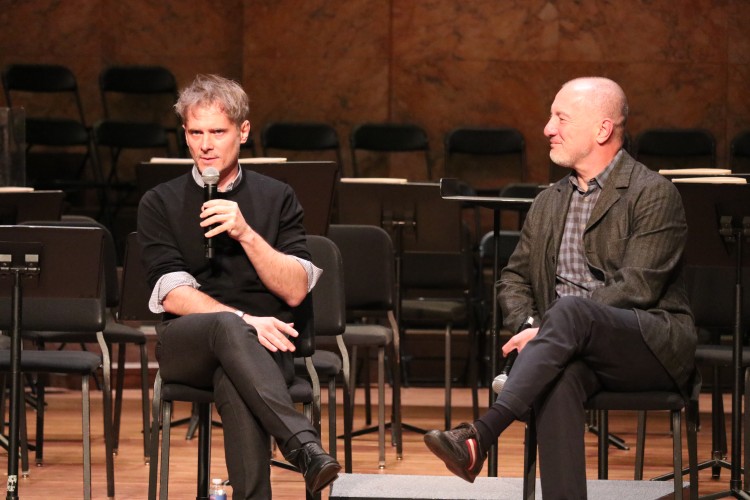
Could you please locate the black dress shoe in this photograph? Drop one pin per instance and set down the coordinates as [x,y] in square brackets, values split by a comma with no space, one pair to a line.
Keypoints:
[318,467]
[460,450]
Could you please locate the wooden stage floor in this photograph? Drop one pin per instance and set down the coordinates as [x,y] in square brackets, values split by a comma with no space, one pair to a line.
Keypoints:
[61,475]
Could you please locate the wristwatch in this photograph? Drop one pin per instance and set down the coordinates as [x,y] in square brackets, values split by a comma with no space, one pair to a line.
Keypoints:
[239,313]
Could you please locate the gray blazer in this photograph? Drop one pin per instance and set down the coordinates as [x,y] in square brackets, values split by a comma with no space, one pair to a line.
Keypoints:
[635,238]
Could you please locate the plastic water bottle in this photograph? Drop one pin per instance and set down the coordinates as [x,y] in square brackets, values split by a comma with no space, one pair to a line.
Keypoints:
[217,491]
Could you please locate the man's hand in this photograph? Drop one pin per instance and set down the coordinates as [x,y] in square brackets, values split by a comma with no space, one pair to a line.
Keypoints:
[272,333]
[519,340]
[226,216]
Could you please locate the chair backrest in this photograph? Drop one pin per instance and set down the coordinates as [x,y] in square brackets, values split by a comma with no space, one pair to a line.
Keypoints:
[507,241]
[134,293]
[299,136]
[484,141]
[54,79]
[137,80]
[739,153]
[485,155]
[329,307]
[675,148]
[369,268]
[521,190]
[137,102]
[54,119]
[389,138]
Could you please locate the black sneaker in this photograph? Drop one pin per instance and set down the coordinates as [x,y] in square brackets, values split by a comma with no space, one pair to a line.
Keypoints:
[459,449]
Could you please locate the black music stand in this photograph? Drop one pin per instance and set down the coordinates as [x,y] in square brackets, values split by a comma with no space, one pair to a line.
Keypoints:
[313,182]
[20,206]
[48,275]
[718,217]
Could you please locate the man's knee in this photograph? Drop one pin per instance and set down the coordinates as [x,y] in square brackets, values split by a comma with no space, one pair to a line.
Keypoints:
[227,327]
[568,313]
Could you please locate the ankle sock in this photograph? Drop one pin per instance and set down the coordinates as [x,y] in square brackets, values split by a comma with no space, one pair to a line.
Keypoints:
[492,424]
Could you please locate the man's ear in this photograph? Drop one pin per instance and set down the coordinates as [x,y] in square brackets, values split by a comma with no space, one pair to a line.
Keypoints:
[606,128]
[244,131]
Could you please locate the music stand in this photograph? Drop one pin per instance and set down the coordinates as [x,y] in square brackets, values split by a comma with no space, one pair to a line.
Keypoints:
[20,206]
[312,181]
[718,217]
[50,279]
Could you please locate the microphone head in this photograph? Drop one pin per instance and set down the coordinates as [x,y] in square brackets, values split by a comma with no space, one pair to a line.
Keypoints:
[499,382]
[210,176]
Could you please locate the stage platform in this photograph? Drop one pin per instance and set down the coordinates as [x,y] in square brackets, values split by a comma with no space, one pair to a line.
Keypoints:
[391,486]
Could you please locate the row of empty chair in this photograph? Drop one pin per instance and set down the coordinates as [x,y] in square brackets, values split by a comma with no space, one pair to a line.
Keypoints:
[137,115]
[63,150]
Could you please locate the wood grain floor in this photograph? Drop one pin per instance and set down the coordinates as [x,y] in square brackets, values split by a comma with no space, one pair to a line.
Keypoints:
[61,475]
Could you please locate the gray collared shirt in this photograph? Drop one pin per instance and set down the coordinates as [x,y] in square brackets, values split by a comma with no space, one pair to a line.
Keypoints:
[168,282]
[574,276]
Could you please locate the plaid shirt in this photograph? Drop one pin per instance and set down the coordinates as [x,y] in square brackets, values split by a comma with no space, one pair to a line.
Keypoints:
[574,276]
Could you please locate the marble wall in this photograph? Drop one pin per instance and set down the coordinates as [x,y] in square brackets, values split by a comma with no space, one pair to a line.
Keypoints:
[437,63]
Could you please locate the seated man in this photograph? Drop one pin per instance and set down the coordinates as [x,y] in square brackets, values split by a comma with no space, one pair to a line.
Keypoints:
[594,290]
[228,318]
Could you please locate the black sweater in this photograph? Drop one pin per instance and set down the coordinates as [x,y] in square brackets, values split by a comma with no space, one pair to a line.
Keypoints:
[172,239]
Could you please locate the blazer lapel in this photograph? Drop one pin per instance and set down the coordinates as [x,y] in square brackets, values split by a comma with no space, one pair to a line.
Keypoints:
[619,179]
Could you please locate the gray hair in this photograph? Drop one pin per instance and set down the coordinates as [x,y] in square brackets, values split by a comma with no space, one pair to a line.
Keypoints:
[214,90]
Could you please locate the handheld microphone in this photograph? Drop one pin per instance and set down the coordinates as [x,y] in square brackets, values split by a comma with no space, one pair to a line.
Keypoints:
[210,178]
[499,382]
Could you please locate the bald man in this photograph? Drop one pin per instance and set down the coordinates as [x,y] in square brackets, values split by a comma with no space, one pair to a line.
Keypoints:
[598,271]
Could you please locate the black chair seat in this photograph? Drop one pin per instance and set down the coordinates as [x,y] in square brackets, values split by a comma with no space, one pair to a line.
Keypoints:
[114,332]
[368,335]
[433,311]
[301,391]
[635,401]
[180,392]
[326,363]
[80,362]
[720,355]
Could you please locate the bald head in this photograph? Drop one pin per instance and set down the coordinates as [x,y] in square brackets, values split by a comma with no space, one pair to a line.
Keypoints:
[587,125]
[604,98]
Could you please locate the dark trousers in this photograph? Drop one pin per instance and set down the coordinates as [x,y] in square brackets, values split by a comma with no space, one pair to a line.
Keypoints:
[221,351]
[581,347]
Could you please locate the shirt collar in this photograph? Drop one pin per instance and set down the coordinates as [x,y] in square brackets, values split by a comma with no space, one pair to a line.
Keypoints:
[601,179]
[199,180]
